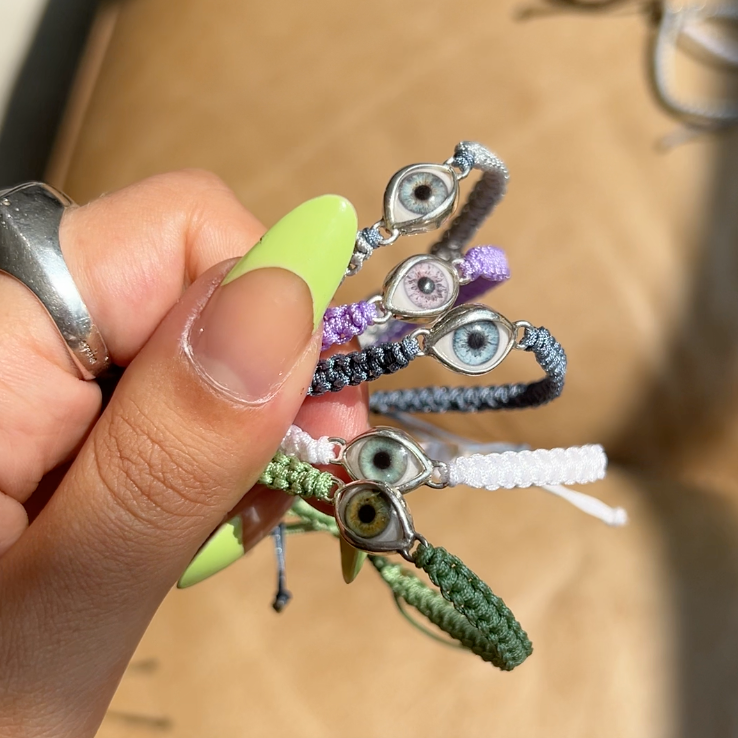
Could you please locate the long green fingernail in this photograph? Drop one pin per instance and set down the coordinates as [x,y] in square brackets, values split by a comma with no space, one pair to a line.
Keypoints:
[351,561]
[314,241]
[224,547]
[260,320]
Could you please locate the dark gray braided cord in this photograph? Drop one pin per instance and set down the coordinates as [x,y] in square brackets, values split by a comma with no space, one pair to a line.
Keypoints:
[344,370]
[549,355]
[487,192]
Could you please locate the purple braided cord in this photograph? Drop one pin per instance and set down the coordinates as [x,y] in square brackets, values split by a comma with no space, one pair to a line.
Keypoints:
[486,266]
[342,323]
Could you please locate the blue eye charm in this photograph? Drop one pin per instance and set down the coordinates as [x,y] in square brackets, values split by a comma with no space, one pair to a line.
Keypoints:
[476,343]
[471,339]
[422,192]
[420,197]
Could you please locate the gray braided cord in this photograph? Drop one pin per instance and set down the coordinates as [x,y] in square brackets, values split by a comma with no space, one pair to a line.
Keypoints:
[345,370]
[548,353]
[367,240]
[674,22]
[487,192]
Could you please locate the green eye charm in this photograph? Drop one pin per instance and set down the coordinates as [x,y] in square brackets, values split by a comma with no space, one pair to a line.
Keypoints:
[368,514]
[373,517]
[388,456]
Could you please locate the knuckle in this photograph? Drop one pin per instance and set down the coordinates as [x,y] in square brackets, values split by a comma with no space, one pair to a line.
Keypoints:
[189,185]
[156,475]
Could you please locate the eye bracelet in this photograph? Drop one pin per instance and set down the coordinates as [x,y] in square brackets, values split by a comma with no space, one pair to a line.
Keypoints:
[373,517]
[393,457]
[419,289]
[421,197]
[470,339]
[496,273]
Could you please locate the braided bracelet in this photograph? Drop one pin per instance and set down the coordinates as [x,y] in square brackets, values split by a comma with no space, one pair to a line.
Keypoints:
[374,517]
[393,457]
[419,289]
[421,197]
[505,645]
[549,355]
[470,339]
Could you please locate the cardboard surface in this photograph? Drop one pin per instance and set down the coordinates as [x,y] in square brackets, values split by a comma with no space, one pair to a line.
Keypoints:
[625,253]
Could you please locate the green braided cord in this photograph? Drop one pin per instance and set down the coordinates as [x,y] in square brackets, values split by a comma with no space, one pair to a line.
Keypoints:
[408,587]
[295,477]
[424,629]
[310,519]
[484,636]
[506,643]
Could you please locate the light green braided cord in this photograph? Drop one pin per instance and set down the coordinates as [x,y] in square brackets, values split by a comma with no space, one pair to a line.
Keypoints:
[295,477]
[310,519]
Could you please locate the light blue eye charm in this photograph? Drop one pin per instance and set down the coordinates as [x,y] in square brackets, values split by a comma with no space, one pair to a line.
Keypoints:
[420,197]
[476,343]
[422,192]
[471,339]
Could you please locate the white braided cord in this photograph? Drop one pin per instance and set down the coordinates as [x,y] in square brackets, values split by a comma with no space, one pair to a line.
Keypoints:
[575,465]
[301,444]
[548,469]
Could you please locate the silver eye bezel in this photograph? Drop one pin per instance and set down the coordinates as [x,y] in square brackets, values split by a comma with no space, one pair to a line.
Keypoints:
[457,318]
[396,500]
[394,280]
[429,221]
[403,439]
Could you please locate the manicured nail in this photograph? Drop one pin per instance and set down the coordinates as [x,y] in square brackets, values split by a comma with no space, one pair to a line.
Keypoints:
[223,548]
[351,561]
[261,318]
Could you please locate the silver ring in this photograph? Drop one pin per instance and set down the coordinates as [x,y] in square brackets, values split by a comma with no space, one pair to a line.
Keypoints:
[30,215]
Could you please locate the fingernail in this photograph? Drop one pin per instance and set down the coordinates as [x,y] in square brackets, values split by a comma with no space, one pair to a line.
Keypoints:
[223,548]
[351,561]
[257,514]
[261,318]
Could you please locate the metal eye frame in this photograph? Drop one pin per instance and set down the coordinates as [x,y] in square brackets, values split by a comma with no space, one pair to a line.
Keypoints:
[428,221]
[396,500]
[457,318]
[394,280]
[424,477]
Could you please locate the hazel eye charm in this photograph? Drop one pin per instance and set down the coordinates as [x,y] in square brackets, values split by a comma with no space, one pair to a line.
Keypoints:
[471,339]
[420,197]
[373,517]
[388,456]
[420,287]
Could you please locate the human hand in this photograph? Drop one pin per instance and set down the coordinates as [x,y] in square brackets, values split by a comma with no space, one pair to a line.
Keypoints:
[215,375]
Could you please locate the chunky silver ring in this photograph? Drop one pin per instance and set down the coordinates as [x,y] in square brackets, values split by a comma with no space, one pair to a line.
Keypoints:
[30,215]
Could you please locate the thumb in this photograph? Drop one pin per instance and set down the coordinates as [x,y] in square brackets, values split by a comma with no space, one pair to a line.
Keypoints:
[194,420]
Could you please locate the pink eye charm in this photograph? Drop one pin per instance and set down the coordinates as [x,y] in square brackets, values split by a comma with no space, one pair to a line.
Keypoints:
[421,287]
[427,286]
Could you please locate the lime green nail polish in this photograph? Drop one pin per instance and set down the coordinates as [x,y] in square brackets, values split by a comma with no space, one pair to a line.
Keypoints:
[351,561]
[224,547]
[315,241]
